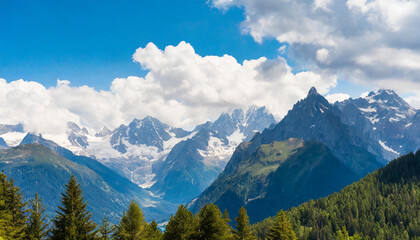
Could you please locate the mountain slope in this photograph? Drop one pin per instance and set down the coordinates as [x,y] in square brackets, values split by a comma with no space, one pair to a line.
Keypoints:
[3,144]
[277,176]
[193,164]
[314,119]
[154,207]
[35,168]
[383,205]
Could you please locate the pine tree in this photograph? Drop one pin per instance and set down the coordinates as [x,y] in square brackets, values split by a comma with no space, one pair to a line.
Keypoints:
[181,226]
[105,230]
[73,221]
[243,229]
[132,225]
[5,216]
[37,224]
[211,224]
[12,210]
[226,216]
[153,232]
[282,228]
[8,227]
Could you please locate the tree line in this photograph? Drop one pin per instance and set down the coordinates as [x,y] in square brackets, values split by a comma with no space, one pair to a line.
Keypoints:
[21,220]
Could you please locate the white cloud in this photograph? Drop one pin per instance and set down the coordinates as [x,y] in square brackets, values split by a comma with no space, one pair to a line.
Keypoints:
[391,12]
[181,88]
[390,57]
[322,55]
[375,43]
[282,49]
[413,101]
[337,97]
[364,94]
[322,4]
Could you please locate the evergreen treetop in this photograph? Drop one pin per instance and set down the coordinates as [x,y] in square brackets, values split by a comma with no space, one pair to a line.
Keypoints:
[181,226]
[212,226]
[243,229]
[282,228]
[73,221]
[37,223]
[105,229]
[132,225]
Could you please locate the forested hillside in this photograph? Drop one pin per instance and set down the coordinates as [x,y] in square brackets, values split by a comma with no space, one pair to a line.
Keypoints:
[383,205]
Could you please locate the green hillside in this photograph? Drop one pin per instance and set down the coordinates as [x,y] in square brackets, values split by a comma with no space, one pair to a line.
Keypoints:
[277,175]
[383,205]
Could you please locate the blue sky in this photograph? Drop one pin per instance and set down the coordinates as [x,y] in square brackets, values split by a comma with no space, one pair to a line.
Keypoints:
[187,61]
[92,42]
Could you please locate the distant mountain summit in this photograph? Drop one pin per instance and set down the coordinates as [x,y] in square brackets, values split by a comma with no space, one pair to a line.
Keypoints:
[103,132]
[193,164]
[390,121]
[148,131]
[77,136]
[315,119]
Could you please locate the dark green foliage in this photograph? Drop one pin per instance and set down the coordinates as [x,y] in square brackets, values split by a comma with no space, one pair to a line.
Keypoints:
[383,205]
[212,226]
[37,224]
[181,226]
[105,229]
[261,228]
[12,212]
[132,225]
[226,216]
[153,232]
[281,229]
[243,229]
[73,221]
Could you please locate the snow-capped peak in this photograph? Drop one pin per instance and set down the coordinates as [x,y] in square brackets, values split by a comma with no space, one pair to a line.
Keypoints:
[103,132]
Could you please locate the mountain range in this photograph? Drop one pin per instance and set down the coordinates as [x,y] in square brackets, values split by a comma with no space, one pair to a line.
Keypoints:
[268,172]
[244,157]
[136,152]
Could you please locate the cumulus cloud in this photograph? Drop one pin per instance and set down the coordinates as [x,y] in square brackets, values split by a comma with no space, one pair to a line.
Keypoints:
[181,88]
[337,97]
[322,55]
[375,43]
[413,101]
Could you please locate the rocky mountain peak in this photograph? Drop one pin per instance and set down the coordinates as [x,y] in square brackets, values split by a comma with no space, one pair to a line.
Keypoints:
[314,104]
[313,91]
[103,132]
[76,135]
